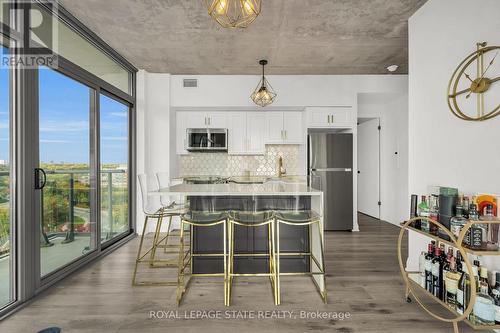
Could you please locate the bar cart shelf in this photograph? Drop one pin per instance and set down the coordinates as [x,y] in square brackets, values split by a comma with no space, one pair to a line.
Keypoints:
[412,285]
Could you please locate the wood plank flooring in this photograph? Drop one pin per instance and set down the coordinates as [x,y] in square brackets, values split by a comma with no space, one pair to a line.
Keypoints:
[363,280]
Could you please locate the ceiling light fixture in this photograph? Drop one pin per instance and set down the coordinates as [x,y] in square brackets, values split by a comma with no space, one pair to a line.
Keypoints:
[264,94]
[233,13]
[392,68]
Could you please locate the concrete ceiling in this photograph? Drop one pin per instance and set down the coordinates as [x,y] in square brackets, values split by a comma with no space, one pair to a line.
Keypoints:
[296,36]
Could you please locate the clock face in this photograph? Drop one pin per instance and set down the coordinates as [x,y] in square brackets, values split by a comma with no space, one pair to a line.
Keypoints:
[474,88]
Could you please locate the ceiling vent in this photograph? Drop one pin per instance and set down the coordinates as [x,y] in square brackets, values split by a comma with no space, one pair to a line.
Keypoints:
[190,83]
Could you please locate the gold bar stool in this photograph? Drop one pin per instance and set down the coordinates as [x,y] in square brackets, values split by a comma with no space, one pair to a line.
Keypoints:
[153,210]
[175,206]
[205,220]
[301,218]
[252,220]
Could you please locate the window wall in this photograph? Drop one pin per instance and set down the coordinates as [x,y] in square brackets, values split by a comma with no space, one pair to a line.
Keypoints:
[114,157]
[6,257]
[64,145]
[72,196]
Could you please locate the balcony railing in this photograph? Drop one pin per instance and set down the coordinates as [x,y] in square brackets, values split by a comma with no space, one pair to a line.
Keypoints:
[65,206]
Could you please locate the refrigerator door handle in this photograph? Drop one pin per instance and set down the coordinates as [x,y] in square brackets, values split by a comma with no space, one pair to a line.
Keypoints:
[332,169]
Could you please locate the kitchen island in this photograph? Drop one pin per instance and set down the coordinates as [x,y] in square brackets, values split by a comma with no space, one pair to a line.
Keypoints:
[276,195]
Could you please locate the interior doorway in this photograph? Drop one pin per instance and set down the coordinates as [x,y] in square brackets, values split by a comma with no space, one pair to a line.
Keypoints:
[369,166]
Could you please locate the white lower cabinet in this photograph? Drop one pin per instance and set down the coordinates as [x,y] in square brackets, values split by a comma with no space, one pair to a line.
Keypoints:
[246,132]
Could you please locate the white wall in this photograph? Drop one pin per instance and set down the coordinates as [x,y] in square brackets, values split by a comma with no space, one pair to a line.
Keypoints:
[153,130]
[392,110]
[444,150]
[293,90]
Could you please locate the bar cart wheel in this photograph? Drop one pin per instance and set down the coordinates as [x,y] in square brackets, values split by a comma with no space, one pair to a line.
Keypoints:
[408,299]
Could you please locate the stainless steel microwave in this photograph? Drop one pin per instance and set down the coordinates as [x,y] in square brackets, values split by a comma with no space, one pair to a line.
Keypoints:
[206,139]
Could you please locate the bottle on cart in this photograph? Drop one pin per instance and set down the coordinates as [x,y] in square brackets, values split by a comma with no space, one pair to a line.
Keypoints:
[466,206]
[414,211]
[463,293]
[423,211]
[495,292]
[421,269]
[484,308]
[476,235]
[457,222]
[492,239]
[452,279]
[428,267]
[475,277]
[458,257]
[434,214]
[437,274]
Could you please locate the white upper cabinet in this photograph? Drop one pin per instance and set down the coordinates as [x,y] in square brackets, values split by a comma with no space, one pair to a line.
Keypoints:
[217,120]
[206,120]
[181,127]
[284,127]
[237,126]
[292,127]
[256,132]
[336,117]
[274,127]
[246,131]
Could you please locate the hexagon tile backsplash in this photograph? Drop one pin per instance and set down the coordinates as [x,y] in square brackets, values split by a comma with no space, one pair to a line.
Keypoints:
[203,164]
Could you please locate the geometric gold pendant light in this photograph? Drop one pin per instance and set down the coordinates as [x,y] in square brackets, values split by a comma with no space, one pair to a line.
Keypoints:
[233,13]
[264,94]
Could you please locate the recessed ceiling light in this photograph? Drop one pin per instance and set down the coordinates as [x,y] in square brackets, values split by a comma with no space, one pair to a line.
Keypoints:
[392,68]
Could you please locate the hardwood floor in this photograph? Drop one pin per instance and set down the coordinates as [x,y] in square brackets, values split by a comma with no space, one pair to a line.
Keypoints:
[363,280]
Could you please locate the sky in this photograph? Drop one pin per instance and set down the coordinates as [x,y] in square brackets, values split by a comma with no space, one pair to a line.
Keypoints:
[64,121]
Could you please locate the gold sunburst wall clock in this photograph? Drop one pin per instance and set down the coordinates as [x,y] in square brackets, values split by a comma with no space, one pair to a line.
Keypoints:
[474,88]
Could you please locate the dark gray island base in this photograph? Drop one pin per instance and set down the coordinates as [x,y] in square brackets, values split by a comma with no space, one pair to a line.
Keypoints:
[293,239]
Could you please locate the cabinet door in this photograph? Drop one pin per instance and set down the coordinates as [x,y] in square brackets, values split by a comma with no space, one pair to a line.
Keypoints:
[237,136]
[256,130]
[196,120]
[217,120]
[180,137]
[330,117]
[274,127]
[292,127]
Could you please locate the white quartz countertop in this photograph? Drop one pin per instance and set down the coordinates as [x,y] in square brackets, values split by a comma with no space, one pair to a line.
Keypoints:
[271,188]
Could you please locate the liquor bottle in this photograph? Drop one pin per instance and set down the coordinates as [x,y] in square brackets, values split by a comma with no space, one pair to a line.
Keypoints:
[433,214]
[484,308]
[495,291]
[477,233]
[423,211]
[475,277]
[428,267]
[463,293]
[421,269]
[457,222]
[452,279]
[466,207]
[414,211]
[492,240]
[437,274]
[458,257]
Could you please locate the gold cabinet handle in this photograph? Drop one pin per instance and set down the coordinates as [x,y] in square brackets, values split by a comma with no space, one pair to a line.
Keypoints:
[332,118]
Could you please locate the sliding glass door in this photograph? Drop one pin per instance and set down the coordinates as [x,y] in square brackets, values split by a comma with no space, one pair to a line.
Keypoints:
[65,180]
[114,167]
[6,198]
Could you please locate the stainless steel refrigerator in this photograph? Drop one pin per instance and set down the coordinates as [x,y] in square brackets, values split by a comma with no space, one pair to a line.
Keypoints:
[330,161]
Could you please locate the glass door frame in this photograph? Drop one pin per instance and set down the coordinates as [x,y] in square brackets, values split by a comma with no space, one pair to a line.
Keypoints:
[24,122]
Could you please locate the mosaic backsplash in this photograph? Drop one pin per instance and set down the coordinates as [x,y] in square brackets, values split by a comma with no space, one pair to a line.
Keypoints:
[203,164]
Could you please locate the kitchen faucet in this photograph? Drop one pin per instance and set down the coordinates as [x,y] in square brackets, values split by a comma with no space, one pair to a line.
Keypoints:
[281,169]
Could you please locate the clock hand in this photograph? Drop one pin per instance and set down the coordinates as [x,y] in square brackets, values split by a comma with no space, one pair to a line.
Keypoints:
[489,65]
[468,77]
[460,92]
